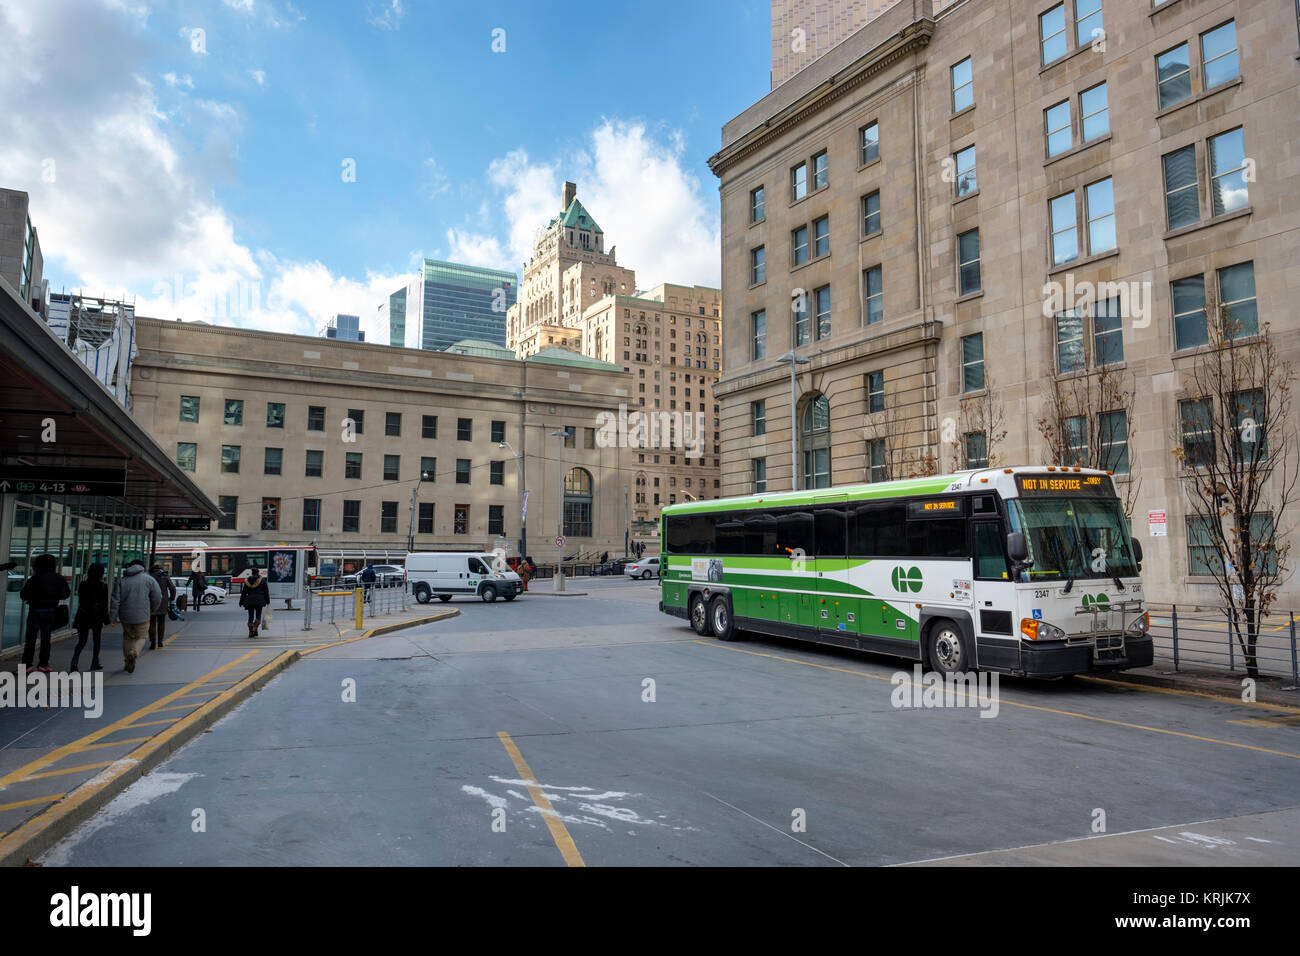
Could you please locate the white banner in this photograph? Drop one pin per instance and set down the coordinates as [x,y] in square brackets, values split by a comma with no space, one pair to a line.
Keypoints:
[523,511]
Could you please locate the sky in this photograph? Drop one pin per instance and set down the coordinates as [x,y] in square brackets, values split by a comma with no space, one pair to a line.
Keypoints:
[267,163]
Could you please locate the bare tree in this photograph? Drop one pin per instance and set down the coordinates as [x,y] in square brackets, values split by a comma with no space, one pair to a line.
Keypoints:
[1240,468]
[902,430]
[979,414]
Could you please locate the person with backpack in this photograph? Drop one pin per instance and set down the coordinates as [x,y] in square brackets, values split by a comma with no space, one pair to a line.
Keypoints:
[198,587]
[44,592]
[158,623]
[136,598]
[92,614]
[254,596]
[368,579]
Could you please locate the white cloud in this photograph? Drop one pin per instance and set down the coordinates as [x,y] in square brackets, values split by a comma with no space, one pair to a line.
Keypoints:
[474,249]
[659,215]
[243,6]
[388,18]
[185,80]
[434,180]
[259,76]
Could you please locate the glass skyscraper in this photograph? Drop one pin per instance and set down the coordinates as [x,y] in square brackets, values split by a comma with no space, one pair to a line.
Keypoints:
[448,303]
[345,328]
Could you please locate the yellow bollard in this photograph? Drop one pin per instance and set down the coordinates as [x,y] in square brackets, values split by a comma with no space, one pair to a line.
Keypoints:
[358,599]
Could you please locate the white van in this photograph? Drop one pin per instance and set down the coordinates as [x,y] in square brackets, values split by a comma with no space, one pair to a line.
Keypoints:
[444,574]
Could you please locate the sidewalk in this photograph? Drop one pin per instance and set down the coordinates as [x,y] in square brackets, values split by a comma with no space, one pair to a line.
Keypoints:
[58,765]
[1209,681]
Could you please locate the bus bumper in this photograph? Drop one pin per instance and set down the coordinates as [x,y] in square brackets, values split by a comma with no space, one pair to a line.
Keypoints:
[1061,660]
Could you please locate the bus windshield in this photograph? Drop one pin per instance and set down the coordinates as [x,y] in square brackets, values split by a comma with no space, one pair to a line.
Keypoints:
[1074,538]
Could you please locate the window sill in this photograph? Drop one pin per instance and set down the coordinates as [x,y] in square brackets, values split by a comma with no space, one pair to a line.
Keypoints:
[962,112]
[872,235]
[804,265]
[1063,59]
[757,285]
[1120,367]
[1076,150]
[1207,223]
[874,162]
[1162,7]
[1086,261]
[1203,95]
[809,195]
[968,297]
[758,222]
[970,195]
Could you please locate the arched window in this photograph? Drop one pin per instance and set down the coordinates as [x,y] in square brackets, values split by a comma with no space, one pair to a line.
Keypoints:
[815,442]
[577,503]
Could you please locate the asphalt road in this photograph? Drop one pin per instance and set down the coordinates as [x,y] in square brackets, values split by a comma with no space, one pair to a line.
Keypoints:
[553,731]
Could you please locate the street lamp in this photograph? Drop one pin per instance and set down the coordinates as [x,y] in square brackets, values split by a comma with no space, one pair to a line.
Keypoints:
[794,361]
[561,434]
[523,513]
[415,490]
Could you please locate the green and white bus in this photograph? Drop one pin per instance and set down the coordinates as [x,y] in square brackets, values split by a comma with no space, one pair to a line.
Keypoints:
[1028,571]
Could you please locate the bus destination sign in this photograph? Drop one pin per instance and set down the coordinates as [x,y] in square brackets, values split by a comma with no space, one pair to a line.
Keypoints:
[1063,485]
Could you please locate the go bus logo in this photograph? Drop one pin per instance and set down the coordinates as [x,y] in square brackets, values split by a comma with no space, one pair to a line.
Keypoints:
[907,579]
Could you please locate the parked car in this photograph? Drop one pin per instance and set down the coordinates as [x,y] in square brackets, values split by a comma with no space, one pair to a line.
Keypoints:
[643,569]
[385,575]
[444,574]
[213,595]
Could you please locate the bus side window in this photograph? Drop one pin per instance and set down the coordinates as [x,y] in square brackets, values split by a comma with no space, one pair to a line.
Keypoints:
[989,560]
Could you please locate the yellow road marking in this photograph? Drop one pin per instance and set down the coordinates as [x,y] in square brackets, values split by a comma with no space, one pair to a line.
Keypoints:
[1020,704]
[155,723]
[111,743]
[84,766]
[1287,721]
[32,802]
[1187,692]
[563,842]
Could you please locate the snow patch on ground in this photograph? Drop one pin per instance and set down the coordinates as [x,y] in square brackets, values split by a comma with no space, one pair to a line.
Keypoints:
[585,806]
[145,790]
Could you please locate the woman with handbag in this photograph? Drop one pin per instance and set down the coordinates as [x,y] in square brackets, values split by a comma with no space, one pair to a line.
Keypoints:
[92,614]
[254,596]
[44,592]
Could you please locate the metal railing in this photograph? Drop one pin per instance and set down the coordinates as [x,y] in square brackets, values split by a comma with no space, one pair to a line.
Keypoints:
[1205,636]
[334,605]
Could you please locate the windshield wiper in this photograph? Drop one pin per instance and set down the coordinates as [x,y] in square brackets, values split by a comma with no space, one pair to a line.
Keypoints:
[1060,565]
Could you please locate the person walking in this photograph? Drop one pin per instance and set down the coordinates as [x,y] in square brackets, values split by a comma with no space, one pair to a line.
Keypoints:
[367,580]
[525,572]
[136,598]
[92,614]
[158,623]
[254,596]
[198,587]
[44,591]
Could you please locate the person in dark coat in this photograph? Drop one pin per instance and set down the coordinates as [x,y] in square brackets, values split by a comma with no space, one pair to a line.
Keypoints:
[158,622]
[92,614]
[254,596]
[44,591]
[198,587]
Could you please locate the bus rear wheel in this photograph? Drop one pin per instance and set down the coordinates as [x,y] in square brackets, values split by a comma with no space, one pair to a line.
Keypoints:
[724,628]
[945,648]
[700,615]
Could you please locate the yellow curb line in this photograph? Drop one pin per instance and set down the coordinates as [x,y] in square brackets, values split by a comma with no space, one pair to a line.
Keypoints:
[1188,692]
[27,803]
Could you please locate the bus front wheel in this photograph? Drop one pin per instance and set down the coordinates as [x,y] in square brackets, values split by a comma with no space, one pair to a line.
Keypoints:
[945,648]
[724,628]
[700,615]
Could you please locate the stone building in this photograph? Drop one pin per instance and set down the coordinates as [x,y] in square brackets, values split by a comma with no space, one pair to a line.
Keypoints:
[925,211]
[21,263]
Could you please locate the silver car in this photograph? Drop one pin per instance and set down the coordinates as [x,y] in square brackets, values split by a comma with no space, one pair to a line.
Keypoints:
[643,569]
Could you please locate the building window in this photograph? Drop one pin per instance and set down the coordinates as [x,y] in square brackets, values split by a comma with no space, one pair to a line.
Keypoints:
[351,516]
[1069,342]
[1190,326]
[1228,189]
[1094,107]
[869,143]
[315,463]
[498,432]
[1100,197]
[187,454]
[388,517]
[871,214]
[1074,437]
[315,418]
[1107,332]
[1087,21]
[230,459]
[1237,295]
[873,294]
[424,520]
[462,471]
[1203,553]
[1065,229]
[189,408]
[759,336]
[392,467]
[460,519]
[756,213]
[1060,136]
[589,436]
[496,473]
[275,414]
[272,461]
[352,464]
[577,503]
[758,416]
[757,265]
[972,362]
[358,418]
[802,330]
[965,163]
[963,88]
[464,429]
[760,475]
[877,470]
[822,236]
[875,392]
[799,246]
[428,426]
[229,506]
[1174,75]
[975,446]
[571,433]
[393,424]
[496,519]
[968,262]
[428,469]
[234,411]
[311,514]
[798,182]
[822,299]
[1113,438]
[1182,205]
[815,440]
[1248,415]
[1219,55]
[1194,425]
[1051,33]
[270,514]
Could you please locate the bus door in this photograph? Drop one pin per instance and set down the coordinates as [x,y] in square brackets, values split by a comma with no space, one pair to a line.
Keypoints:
[997,632]
[795,540]
[837,612]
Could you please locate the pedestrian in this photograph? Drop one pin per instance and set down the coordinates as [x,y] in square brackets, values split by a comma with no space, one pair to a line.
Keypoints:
[254,596]
[198,587]
[158,623]
[136,598]
[368,579]
[44,591]
[525,572]
[604,557]
[92,614]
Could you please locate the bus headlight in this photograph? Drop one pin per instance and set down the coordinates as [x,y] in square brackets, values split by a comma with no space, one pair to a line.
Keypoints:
[1036,630]
[1141,624]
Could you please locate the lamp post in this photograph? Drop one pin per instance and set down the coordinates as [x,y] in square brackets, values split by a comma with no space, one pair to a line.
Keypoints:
[794,361]
[523,515]
[415,490]
[627,519]
[561,434]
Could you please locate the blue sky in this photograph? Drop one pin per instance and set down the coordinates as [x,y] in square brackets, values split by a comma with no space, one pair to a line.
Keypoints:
[177,165]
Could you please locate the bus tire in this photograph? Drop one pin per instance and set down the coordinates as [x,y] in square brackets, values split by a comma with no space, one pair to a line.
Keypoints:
[699,615]
[720,620]
[444,597]
[422,593]
[946,648]
[488,594]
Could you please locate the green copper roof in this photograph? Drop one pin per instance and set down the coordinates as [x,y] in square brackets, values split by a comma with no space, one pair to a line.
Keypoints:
[481,348]
[577,217]
[555,355]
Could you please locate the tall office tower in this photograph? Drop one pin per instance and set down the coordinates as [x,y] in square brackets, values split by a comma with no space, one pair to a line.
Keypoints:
[392,316]
[448,303]
[345,328]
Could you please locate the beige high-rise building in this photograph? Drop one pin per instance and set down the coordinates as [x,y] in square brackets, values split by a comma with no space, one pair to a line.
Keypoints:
[926,210]
[803,30]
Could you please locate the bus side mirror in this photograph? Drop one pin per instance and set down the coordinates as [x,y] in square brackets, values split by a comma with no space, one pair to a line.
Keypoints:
[1137,549]
[1017,547]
